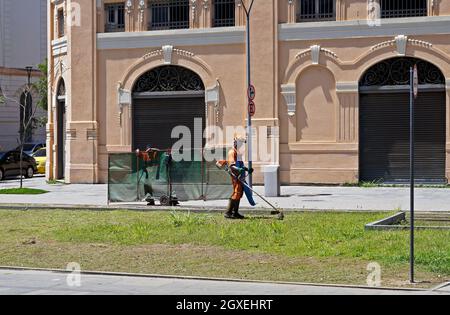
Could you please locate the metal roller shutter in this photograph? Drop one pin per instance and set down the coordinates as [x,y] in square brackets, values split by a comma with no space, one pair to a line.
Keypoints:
[154,119]
[384,137]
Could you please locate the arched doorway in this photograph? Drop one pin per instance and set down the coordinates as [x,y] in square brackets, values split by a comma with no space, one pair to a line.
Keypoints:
[61,129]
[164,98]
[384,122]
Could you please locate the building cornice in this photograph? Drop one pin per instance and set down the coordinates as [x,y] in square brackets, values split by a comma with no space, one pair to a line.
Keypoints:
[360,28]
[185,37]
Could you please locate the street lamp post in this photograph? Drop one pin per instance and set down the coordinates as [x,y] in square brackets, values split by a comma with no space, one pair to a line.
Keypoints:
[248,11]
[25,120]
[29,70]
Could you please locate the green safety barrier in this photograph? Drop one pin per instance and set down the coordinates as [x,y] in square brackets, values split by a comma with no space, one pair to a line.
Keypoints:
[131,179]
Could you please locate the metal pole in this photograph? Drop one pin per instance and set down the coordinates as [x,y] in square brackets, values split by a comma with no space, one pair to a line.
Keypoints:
[249,117]
[412,181]
[249,82]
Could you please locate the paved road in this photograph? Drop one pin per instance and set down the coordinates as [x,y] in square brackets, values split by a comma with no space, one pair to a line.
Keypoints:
[293,197]
[14,282]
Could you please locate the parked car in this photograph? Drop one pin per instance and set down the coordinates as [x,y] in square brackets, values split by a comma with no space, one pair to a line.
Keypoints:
[32,147]
[41,158]
[10,165]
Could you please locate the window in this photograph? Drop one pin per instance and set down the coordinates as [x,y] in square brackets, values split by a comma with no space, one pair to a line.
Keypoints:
[169,14]
[115,17]
[316,10]
[224,13]
[61,23]
[403,8]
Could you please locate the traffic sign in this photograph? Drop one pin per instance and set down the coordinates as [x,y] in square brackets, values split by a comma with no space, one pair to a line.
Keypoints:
[252,108]
[251,92]
[416,82]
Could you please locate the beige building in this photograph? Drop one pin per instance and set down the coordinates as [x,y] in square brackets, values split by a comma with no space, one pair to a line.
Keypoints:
[331,78]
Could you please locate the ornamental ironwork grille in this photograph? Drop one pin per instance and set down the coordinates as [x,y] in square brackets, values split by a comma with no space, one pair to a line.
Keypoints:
[168,14]
[396,71]
[115,17]
[224,13]
[169,79]
[403,8]
[316,10]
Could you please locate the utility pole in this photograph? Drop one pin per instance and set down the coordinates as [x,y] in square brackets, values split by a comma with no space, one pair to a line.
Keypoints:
[248,11]
[414,90]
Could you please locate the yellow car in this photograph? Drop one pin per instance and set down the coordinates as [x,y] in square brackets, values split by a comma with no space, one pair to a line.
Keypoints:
[41,158]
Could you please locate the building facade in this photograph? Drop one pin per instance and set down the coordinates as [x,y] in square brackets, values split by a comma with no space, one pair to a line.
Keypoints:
[332,82]
[23,38]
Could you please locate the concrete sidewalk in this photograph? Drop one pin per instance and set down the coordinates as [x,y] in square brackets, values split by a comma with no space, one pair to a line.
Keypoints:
[15,282]
[293,197]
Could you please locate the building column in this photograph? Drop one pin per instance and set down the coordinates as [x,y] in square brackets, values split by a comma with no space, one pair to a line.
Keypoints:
[143,15]
[292,10]
[81,97]
[100,16]
[347,118]
[129,16]
[240,14]
[206,13]
[124,116]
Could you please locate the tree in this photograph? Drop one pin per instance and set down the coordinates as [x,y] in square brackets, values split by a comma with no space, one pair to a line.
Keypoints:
[42,85]
[28,120]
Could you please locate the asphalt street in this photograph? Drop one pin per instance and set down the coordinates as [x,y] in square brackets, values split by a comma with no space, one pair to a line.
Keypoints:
[17,282]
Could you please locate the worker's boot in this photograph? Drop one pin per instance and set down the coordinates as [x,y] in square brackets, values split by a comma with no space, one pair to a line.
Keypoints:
[229,213]
[236,214]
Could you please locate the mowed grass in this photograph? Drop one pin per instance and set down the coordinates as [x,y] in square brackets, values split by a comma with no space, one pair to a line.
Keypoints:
[22,191]
[306,247]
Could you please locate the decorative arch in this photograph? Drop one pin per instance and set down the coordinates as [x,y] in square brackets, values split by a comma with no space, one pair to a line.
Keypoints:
[397,47]
[289,88]
[379,53]
[395,71]
[316,105]
[61,88]
[60,123]
[159,99]
[168,78]
[167,56]
[317,57]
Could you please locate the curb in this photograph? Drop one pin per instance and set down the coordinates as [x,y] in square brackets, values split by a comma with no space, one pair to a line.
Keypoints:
[156,276]
[194,209]
[393,223]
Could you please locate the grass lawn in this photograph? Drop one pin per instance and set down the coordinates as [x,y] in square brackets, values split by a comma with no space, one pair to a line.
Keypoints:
[22,191]
[308,247]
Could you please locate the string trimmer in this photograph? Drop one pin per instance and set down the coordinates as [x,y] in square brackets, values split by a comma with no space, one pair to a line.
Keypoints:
[278,212]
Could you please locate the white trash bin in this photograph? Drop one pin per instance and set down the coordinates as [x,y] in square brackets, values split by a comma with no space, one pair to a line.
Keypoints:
[271,180]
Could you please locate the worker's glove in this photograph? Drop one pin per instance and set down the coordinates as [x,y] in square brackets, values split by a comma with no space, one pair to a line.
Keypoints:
[241,171]
[250,170]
